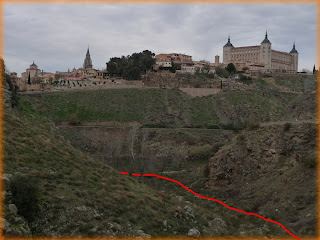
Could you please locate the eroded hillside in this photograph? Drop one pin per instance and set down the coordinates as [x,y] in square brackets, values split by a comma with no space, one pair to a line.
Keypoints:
[254,150]
[79,196]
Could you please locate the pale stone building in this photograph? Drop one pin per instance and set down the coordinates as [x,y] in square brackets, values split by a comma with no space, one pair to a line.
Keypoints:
[32,70]
[262,55]
[177,58]
[163,62]
[186,69]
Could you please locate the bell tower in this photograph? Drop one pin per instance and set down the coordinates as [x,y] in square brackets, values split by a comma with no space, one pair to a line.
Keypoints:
[87,61]
[294,53]
[227,51]
[265,52]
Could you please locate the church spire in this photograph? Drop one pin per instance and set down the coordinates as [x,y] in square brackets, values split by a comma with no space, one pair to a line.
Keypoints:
[87,61]
[266,40]
[294,48]
[228,44]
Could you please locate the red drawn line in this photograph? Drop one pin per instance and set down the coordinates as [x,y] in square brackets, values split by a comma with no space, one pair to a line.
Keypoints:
[212,199]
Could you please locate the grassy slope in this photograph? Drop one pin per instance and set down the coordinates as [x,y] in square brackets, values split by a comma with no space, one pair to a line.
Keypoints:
[159,107]
[294,83]
[80,196]
[246,106]
[147,106]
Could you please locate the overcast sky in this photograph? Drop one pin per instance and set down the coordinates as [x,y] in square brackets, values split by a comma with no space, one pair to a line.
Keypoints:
[56,35]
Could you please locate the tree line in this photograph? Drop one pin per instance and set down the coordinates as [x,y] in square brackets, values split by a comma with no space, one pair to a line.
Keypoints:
[131,67]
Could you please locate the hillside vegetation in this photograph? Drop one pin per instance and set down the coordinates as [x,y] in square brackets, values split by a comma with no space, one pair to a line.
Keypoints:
[79,196]
[161,107]
[59,148]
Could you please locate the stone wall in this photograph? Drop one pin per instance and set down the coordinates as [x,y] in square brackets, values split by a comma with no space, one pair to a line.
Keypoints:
[160,79]
[200,92]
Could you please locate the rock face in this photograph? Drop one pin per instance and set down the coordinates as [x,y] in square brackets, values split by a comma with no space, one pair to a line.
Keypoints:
[13,208]
[193,232]
[303,107]
[269,171]
[142,234]
[220,222]
[9,93]
[257,152]
[13,224]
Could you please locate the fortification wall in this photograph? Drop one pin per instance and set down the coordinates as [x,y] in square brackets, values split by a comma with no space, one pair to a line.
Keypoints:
[200,92]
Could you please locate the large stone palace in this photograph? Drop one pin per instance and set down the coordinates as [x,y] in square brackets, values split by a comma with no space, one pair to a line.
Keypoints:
[261,57]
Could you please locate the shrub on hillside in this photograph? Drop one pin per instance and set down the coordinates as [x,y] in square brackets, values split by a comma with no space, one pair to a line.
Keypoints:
[245,79]
[309,161]
[73,119]
[252,125]
[25,193]
[204,151]
[222,72]
[287,127]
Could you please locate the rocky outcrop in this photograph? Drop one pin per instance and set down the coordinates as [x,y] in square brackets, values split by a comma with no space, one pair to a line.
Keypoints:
[268,149]
[193,232]
[13,224]
[10,98]
[270,171]
[303,107]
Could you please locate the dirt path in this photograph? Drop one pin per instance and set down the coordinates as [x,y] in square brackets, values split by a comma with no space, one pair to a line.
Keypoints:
[285,122]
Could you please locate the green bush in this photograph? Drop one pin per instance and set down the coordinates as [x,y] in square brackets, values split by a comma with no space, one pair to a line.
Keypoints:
[25,193]
[245,79]
[222,72]
[309,161]
[287,127]
[261,82]
[73,119]
[252,125]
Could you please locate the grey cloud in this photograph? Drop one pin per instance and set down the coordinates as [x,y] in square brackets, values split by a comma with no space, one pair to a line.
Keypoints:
[56,35]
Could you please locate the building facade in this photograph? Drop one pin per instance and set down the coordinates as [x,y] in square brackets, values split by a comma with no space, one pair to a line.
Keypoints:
[261,55]
[32,70]
[177,58]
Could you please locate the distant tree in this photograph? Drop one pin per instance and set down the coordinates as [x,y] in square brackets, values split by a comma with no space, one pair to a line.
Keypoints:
[314,69]
[222,72]
[131,67]
[245,69]
[173,67]
[206,69]
[197,70]
[305,70]
[6,79]
[29,79]
[231,68]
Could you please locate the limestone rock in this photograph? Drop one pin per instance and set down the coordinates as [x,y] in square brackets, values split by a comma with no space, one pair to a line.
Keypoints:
[220,222]
[13,208]
[193,232]
[142,234]
[189,211]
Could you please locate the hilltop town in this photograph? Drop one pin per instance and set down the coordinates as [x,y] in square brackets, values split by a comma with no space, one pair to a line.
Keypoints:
[239,63]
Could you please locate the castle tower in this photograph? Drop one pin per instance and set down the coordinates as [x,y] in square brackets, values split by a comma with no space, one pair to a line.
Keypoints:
[216,60]
[265,52]
[87,61]
[227,51]
[294,53]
